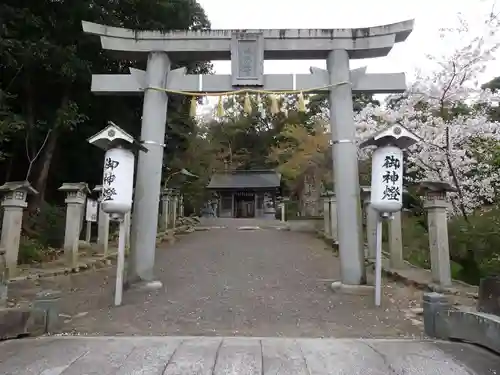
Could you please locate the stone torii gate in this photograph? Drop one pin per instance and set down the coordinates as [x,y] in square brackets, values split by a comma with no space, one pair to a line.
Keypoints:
[247,50]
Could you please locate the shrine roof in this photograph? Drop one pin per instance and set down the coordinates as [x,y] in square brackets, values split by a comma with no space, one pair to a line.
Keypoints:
[248,179]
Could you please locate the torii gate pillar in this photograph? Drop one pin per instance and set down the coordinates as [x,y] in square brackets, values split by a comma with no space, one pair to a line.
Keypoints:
[346,175]
[149,168]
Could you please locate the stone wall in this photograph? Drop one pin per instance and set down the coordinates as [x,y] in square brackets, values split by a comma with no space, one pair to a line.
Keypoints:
[445,322]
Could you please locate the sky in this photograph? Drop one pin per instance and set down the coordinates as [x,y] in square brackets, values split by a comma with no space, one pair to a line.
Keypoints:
[429,15]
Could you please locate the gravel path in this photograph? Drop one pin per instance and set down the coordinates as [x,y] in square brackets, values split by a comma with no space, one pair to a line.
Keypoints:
[227,281]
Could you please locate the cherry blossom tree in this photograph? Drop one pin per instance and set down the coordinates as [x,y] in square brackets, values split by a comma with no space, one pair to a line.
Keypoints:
[447,108]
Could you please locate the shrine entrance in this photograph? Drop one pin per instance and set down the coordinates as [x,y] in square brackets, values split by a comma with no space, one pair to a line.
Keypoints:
[247,50]
[244,203]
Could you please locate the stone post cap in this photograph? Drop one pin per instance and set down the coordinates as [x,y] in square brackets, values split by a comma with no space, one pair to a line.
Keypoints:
[97,189]
[426,187]
[328,193]
[76,187]
[48,294]
[365,192]
[18,186]
[434,297]
[167,192]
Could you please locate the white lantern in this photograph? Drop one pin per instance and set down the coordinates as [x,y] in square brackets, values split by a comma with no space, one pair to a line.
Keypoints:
[387,179]
[118,181]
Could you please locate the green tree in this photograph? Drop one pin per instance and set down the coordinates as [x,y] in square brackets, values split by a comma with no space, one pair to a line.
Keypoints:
[46,62]
[47,111]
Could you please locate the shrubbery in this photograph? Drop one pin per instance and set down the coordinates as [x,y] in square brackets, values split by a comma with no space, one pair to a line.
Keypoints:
[480,234]
[43,234]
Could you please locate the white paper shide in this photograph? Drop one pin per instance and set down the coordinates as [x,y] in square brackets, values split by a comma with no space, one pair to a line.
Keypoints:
[118,181]
[387,179]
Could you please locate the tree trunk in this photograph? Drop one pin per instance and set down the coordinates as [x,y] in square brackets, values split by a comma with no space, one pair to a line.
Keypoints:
[47,155]
[46,161]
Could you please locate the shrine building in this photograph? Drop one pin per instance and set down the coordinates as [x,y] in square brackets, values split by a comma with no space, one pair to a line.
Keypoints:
[246,193]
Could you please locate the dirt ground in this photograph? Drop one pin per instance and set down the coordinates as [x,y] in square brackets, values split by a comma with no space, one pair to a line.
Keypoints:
[226,281]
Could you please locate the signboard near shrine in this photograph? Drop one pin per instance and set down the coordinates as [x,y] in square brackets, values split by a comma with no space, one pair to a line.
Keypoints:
[247,59]
[91,210]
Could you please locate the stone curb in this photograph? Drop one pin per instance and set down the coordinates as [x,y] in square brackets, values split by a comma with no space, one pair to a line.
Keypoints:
[447,322]
[397,276]
[328,240]
[430,287]
[362,290]
[89,264]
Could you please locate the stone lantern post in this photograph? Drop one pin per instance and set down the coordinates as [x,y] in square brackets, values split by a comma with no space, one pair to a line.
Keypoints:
[327,215]
[181,206]
[13,202]
[435,204]
[102,226]
[175,201]
[282,207]
[76,195]
[370,216]
[165,211]
[333,218]
[396,240]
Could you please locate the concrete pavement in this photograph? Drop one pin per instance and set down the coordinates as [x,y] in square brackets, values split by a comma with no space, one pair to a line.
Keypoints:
[240,356]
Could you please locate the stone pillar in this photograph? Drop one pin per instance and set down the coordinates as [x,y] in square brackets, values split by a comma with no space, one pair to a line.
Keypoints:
[102,227]
[127,220]
[346,176]
[371,230]
[13,203]
[175,200]
[181,206]
[171,210]
[371,222]
[396,241]
[48,301]
[333,218]
[149,168]
[327,227]
[76,195]
[4,279]
[435,204]
[165,209]
[284,202]
[91,213]
[489,295]
[88,231]
[435,307]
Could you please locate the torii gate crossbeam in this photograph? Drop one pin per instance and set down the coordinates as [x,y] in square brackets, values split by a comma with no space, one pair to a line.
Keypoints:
[247,50]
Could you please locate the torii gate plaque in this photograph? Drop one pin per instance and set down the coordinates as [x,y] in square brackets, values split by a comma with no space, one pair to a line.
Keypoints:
[247,50]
